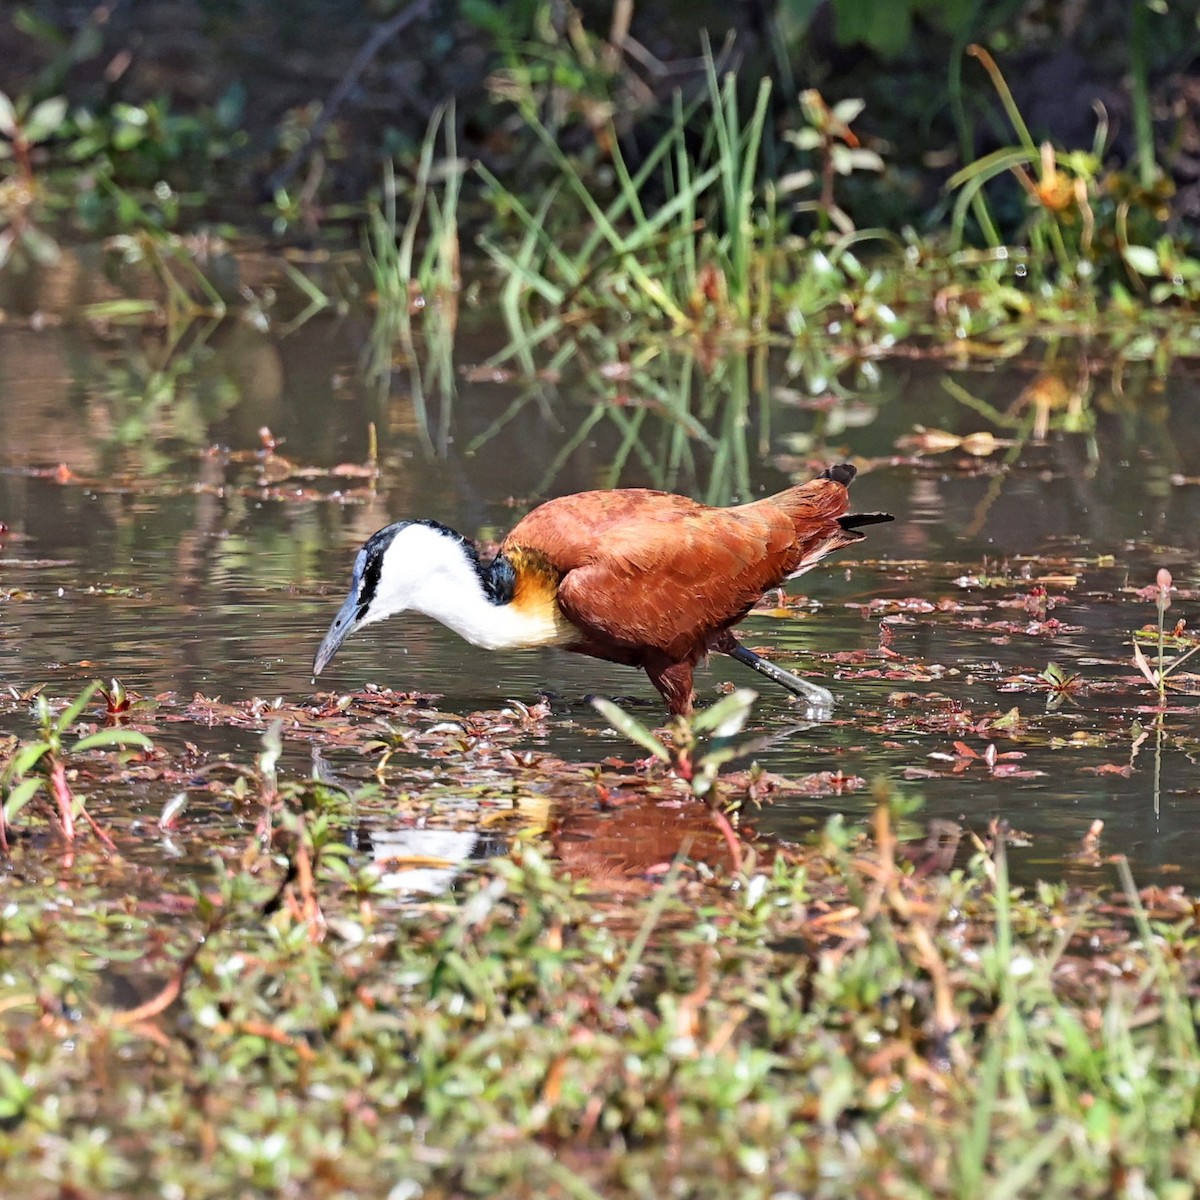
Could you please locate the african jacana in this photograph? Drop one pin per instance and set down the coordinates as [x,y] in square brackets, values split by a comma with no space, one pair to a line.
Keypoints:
[644,578]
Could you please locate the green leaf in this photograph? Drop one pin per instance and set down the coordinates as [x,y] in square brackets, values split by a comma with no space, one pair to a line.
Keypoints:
[26,759]
[231,106]
[803,139]
[726,718]
[864,160]
[630,727]
[488,17]
[113,737]
[712,762]
[989,166]
[42,248]
[45,119]
[70,714]
[1179,659]
[115,310]
[8,117]
[883,27]
[172,809]
[20,796]
[1142,665]
[795,181]
[950,16]
[847,110]
[126,137]
[1010,720]
[1142,259]
[15,1093]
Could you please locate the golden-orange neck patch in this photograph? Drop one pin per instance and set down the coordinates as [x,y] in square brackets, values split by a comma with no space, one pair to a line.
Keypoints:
[535,593]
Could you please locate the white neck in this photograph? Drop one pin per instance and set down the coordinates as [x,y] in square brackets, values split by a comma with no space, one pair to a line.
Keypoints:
[427,572]
[465,608]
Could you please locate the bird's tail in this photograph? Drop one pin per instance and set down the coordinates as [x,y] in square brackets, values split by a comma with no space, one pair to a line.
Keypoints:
[844,474]
[818,509]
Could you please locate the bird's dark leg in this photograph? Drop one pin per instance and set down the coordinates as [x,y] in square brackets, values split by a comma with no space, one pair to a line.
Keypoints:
[674,681]
[818,699]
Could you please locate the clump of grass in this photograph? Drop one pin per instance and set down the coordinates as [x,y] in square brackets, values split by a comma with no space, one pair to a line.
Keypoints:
[692,257]
[408,281]
[1086,223]
[526,1035]
[404,283]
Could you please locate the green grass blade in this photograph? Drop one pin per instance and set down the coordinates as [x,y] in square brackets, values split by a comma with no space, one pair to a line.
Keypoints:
[19,795]
[104,738]
[70,714]
[630,727]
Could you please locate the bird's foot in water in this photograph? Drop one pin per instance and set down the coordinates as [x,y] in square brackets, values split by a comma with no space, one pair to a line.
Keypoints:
[812,711]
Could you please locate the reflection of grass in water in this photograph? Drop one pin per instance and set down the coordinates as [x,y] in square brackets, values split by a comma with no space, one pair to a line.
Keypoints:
[1046,403]
[156,388]
[676,426]
[425,346]
[407,286]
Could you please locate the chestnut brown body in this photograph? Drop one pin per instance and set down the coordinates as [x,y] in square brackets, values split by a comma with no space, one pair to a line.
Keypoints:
[657,581]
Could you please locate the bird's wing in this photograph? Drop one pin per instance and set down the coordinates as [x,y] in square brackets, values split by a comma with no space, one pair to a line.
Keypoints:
[570,529]
[650,570]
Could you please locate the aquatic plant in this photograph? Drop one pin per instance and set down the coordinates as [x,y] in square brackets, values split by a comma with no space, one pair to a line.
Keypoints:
[697,748]
[1158,673]
[402,282]
[41,765]
[1086,223]
[407,284]
[1062,685]
[23,127]
[828,135]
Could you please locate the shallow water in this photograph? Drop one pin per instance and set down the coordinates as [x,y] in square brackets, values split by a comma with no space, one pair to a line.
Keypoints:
[159,560]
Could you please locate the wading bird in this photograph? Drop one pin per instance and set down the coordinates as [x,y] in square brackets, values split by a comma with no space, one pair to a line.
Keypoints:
[644,578]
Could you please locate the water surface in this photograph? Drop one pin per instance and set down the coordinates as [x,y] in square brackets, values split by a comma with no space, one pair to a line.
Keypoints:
[144,541]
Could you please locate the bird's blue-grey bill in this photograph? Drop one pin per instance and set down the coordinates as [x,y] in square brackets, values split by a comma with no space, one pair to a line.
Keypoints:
[343,625]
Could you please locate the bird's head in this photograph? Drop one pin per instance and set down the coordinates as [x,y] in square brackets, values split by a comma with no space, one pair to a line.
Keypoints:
[404,566]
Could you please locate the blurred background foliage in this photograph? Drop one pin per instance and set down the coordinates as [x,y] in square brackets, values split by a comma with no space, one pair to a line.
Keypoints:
[277,114]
